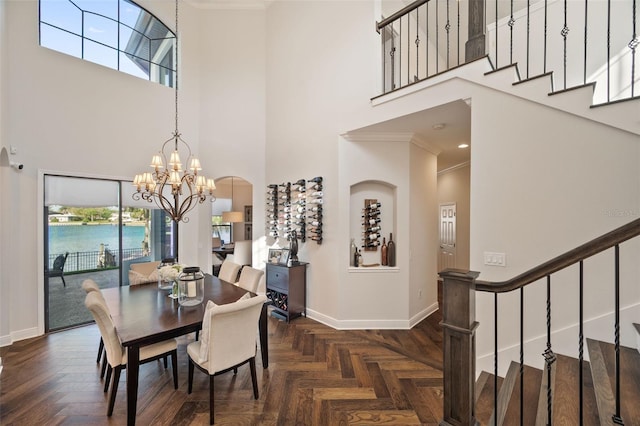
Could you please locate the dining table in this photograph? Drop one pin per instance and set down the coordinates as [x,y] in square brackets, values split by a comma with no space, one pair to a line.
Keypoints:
[144,314]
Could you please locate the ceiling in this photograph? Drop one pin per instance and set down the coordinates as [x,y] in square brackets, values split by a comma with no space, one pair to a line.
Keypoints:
[454,119]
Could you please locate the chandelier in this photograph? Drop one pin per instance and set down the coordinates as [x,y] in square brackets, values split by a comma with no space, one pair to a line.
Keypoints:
[174,190]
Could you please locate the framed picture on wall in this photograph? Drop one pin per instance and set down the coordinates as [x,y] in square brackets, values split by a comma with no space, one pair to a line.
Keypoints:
[248,214]
[248,231]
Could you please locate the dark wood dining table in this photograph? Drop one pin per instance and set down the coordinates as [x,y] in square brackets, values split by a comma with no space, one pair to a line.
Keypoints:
[144,315]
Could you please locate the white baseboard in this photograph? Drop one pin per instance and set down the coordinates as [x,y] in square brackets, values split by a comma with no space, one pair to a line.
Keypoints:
[373,324]
[19,335]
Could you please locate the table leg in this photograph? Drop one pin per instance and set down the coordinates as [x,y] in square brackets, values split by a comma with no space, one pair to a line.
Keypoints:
[264,344]
[133,366]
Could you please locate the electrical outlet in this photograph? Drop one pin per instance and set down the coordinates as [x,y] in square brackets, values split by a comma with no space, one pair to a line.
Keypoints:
[495,259]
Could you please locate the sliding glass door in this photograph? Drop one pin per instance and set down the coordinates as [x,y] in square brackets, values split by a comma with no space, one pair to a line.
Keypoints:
[95,230]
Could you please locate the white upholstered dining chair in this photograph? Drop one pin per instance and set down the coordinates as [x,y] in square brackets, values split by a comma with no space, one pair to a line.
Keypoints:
[229,271]
[249,278]
[242,252]
[117,355]
[228,340]
[88,286]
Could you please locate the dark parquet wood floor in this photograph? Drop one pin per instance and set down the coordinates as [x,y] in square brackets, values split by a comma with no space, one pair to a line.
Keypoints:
[316,376]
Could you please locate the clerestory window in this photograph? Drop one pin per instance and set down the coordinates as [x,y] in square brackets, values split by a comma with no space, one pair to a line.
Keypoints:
[118,34]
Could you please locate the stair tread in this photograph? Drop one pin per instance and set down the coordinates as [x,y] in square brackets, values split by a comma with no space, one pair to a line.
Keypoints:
[566,397]
[629,379]
[531,388]
[484,401]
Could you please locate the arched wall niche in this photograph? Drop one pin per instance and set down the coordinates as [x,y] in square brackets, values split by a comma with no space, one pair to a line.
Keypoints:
[386,194]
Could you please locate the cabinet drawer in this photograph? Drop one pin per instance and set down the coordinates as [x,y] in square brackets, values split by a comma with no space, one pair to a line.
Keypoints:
[278,278]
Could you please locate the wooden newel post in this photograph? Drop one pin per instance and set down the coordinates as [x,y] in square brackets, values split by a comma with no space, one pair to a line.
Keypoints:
[459,346]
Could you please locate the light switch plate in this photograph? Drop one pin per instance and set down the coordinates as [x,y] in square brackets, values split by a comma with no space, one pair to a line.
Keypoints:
[495,259]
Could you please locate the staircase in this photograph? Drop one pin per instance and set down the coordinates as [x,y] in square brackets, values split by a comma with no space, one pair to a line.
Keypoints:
[598,391]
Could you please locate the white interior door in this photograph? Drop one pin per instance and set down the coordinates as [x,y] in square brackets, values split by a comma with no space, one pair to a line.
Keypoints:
[447,250]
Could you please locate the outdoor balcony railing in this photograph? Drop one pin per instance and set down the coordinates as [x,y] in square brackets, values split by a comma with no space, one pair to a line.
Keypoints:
[95,260]
[580,42]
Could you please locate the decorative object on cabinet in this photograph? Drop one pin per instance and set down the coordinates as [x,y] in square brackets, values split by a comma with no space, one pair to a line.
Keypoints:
[287,288]
[371,225]
[391,251]
[352,251]
[293,247]
[384,252]
[284,256]
[274,255]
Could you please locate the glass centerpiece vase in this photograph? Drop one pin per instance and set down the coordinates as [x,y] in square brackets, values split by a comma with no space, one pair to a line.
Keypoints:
[168,272]
[190,286]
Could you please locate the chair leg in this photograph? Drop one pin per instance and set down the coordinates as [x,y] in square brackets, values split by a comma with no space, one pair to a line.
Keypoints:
[190,386]
[104,364]
[100,349]
[211,399]
[64,283]
[114,390]
[254,377]
[108,378]
[165,362]
[235,370]
[174,367]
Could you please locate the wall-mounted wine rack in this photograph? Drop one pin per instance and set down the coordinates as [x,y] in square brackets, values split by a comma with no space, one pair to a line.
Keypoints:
[295,207]
[371,226]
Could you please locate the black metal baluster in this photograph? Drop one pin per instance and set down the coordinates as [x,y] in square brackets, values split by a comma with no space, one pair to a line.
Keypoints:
[633,44]
[586,22]
[544,68]
[427,39]
[497,65]
[528,34]
[458,37]
[617,418]
[384,60]
[417,44]
[521,353]
[608,50]
[495,356]
[437,34]
[511,22]
[392,54]
[447,27]
[565,33]
[581,342]
[549,356]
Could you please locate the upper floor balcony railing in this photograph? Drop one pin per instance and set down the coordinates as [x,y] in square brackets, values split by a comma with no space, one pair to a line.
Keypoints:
[578,41]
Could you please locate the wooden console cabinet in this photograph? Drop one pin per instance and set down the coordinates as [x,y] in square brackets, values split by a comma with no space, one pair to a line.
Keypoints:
[287,289]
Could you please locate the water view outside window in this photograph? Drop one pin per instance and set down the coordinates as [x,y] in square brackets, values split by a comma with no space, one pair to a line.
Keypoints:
[117,34]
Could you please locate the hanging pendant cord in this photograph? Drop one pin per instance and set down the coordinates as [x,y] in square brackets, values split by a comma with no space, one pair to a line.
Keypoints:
[176,82]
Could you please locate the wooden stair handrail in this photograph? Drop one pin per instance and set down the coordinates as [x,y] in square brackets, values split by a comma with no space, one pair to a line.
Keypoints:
[593,247]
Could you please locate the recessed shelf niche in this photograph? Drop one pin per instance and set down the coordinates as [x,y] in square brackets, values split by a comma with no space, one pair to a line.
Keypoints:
[385,194]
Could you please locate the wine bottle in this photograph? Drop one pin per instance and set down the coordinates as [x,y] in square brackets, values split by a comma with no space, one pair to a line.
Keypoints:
[372,221]
[352,248]
[301,209]
[374,206]
[315,223]
[285,197]
[299,216]
[371,244]
[355,262]
[316,201]
[300,182]
[317,216]
[273,234]
[315,187]
[316,179]
[371,237]
[317,194]
[315,209]
[391,251]
[318,239]
[383,252]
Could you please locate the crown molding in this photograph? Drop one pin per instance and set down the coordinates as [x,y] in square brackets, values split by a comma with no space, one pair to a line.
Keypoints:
[407,137]
[228,4]
[454,168]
